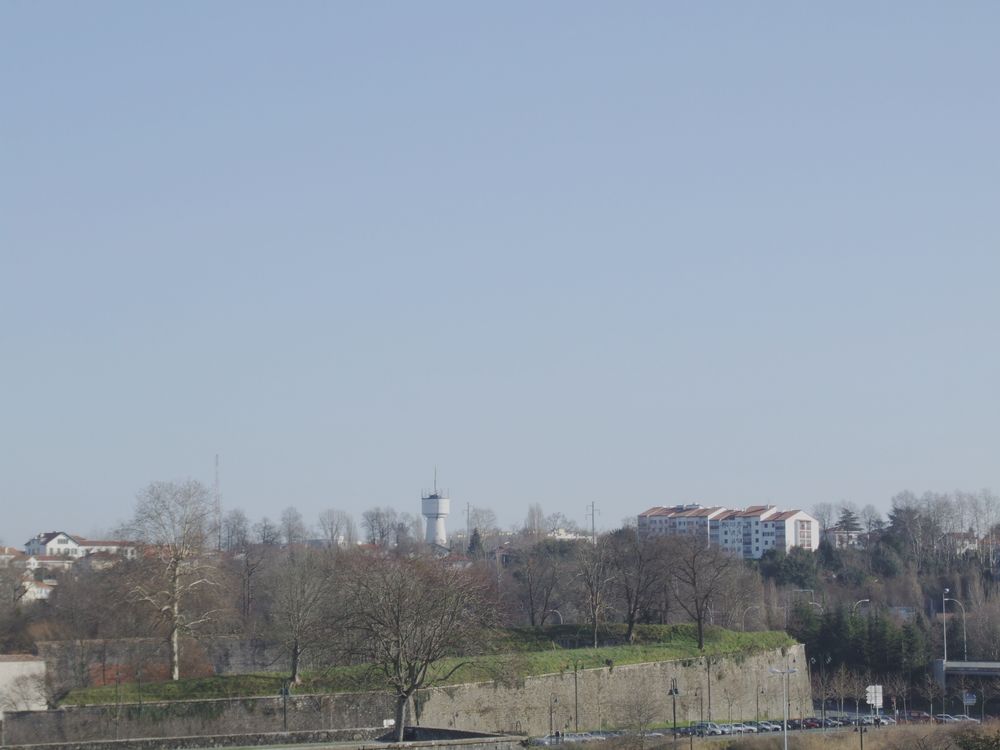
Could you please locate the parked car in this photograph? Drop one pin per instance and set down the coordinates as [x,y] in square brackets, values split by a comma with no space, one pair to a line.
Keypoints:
[966,717]
[945,719]
[885,721]
[707,729]
[769,726]
[812,722]
[549,739]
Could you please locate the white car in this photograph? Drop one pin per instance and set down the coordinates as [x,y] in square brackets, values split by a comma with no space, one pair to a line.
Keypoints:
[966,717]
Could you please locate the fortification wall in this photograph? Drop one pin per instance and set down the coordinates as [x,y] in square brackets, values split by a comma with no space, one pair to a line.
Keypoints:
[614,696]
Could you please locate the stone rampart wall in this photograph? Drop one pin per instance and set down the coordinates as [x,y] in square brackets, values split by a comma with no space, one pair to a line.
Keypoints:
[90,663]
[617,696]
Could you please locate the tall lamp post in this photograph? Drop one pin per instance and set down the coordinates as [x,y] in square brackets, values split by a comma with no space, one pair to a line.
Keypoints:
[944,622]
[965,640]
[784,673]
[859,601]
[673,695]
[822,683]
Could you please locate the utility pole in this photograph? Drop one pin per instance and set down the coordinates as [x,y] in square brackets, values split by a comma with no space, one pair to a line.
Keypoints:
[593,521]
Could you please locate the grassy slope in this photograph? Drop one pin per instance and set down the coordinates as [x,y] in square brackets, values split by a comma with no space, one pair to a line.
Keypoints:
[515,654]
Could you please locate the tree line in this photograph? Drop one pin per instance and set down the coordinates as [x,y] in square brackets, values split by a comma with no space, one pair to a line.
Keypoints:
[872,608]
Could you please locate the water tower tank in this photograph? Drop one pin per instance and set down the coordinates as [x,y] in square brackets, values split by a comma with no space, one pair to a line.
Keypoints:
[435,507]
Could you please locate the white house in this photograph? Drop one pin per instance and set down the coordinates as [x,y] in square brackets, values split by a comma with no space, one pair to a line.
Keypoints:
[111,547]
[59,543]
[37,591]
[54,543]
[49,562]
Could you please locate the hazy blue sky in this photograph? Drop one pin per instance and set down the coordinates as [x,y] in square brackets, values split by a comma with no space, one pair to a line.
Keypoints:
[632,254]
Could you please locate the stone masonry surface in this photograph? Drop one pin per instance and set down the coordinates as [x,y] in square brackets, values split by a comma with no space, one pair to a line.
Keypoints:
[733,688]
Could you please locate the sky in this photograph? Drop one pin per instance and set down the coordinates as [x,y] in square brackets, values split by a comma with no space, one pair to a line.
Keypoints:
[565,252]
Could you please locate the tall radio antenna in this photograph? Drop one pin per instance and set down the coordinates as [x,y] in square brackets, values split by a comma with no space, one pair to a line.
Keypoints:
[218,504]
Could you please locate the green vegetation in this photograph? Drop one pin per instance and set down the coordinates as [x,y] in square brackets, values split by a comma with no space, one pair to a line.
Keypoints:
[515,654]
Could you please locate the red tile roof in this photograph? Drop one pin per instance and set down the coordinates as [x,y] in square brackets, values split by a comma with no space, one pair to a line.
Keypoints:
[783,516]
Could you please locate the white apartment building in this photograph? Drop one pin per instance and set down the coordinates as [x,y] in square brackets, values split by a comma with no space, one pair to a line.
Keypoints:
[748,533]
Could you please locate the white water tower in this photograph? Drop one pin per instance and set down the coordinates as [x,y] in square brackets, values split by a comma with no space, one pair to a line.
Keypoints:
[435,507]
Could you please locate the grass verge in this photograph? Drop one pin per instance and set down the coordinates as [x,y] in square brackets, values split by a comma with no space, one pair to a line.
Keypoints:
[513,655]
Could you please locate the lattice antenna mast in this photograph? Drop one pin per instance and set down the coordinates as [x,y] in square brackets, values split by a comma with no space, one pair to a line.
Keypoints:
[217,491]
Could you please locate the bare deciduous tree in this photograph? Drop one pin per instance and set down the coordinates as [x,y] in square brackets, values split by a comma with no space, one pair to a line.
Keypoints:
[534,522]
[699,571]
[539,572]
[637,573]
[338,528]
[824,513]
[301,589]
[380,525]
[266,532]
[293,528]
[235,530]
[172,521]
[640,711]
[403,615]
[594,576]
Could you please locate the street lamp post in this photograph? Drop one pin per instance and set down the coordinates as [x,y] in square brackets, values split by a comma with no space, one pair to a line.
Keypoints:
[760,692]
[784,673]
[673,696]
[944,622]
[859,601]
[965,640]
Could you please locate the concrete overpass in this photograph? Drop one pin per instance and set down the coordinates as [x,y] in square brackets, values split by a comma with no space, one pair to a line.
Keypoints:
[945,669]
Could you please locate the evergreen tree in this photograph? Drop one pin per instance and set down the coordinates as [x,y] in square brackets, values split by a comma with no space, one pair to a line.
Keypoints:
[476,544]
[848,520]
